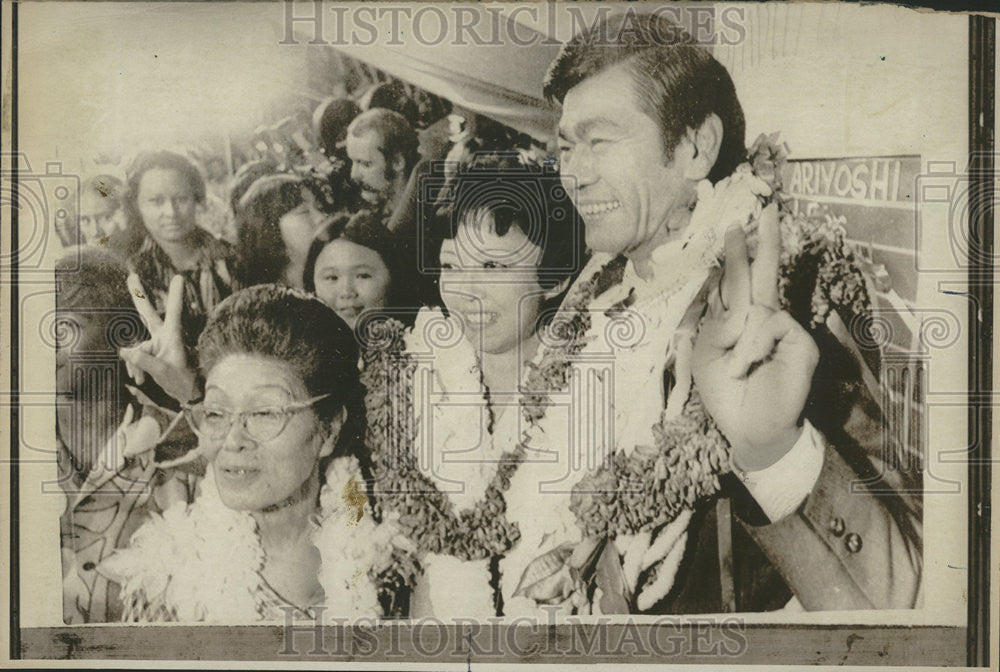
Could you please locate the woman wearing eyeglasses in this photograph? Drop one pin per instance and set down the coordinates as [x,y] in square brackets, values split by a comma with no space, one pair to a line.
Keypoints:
[281,527]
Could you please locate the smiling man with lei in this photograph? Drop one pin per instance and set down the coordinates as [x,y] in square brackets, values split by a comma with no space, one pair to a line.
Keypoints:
[697,432]
[725,472]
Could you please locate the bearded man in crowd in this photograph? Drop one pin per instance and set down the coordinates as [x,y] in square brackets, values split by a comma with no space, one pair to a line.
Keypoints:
[382,147]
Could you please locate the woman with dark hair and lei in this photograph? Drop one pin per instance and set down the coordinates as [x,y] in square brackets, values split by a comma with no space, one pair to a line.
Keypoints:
[281,526]
[275,222]
[357,266]
[162,239]
[508,246]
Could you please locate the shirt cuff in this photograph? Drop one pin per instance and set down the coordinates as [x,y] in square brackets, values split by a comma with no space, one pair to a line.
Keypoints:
[782,487]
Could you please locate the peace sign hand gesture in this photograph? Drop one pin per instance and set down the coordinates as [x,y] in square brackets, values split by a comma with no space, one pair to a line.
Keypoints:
[752,362]
[162,356]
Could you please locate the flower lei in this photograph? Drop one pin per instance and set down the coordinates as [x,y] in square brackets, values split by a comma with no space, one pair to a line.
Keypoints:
[643,489]
[457,535]
[202,562]
[635,490]
[427,516]
[639,489]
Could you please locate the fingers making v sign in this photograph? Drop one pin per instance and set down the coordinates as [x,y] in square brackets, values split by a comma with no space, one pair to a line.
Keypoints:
[162,357]
[752,362]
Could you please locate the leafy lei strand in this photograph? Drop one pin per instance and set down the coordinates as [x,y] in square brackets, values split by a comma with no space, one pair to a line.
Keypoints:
[633,491]
[427,516]
[642,490]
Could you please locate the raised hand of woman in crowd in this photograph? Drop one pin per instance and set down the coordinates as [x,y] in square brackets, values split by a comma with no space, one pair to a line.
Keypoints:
[752,362]
[162,357]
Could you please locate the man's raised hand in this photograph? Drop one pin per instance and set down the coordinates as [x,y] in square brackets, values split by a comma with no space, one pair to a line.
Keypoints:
[752,362]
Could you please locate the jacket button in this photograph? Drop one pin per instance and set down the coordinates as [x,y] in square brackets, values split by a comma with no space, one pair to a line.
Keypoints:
[853,542]
[837,526]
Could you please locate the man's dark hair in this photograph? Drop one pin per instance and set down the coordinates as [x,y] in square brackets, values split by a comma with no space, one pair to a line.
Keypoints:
[92,281]
[396,135]
[678,83]
[392,96]
[91,277]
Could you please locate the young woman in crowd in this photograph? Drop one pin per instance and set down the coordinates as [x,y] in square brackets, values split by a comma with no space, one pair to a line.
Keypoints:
[280,527]
[508,247]
[275,223]
[356,265]
[162,239]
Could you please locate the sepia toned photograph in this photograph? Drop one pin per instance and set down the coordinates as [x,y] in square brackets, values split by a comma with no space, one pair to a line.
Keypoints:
[472,335]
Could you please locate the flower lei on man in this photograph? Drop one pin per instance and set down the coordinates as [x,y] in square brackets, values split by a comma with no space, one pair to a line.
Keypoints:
[202,562]
[640,487]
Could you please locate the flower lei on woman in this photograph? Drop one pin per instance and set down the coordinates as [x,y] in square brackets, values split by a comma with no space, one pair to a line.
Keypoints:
[636,490]
[202,562]
[449,531]
[427,516]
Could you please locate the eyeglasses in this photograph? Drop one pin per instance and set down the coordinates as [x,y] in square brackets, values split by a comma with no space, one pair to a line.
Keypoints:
[260,424]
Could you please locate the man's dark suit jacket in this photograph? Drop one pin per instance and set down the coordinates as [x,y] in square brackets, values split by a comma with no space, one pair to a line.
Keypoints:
[854,543]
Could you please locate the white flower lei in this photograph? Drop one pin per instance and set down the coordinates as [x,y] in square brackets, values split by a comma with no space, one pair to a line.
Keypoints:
[202,562]
[452,423]
[638,342]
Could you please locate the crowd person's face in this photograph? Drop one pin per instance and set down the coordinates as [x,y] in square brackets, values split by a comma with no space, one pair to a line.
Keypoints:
[369,168]
[498,308]
[351,278]
[167,205]
[83,335]
[613,164]
[252,475]
[96,215]
[297,228]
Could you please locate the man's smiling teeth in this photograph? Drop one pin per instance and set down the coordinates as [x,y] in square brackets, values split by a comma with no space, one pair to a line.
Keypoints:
[598,208]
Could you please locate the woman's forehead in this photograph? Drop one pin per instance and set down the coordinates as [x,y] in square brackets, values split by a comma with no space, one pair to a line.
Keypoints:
[157,178]
[344,252]
[242,374]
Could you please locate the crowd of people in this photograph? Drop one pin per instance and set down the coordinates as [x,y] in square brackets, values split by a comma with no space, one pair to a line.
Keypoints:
[351,398]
